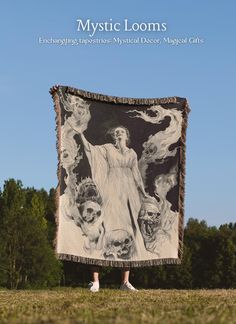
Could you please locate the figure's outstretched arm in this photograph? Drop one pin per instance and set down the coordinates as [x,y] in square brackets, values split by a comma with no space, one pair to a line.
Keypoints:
[85,142]
[79,129]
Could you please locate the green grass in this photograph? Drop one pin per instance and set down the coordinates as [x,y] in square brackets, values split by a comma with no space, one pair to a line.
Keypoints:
[77,305]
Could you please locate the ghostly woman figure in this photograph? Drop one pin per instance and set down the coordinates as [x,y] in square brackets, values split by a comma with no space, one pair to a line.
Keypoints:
[115,172]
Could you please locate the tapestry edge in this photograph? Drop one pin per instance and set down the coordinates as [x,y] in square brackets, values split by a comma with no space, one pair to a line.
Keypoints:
[182,177]
[118,264]
[118,100]
[57,108]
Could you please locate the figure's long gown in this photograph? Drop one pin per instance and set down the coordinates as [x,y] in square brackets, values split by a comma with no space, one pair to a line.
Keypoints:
[117,178]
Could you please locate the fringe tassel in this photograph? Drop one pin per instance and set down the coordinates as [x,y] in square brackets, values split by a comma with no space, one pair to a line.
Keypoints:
[57,109]
[182,174]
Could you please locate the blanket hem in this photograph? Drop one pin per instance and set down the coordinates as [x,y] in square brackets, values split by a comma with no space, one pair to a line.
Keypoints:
[121,264]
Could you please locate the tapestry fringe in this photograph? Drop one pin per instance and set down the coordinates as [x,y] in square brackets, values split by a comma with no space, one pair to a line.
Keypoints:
[118,100]
[118,264]
[182,175]
[58,134]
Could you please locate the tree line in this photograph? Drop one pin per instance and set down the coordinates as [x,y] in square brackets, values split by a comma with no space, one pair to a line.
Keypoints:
[27,257]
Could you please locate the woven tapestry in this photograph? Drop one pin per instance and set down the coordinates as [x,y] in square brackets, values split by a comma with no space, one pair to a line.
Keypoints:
[120,197]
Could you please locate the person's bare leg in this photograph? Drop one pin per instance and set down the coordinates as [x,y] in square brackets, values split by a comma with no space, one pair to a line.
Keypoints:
[125,275]
[94,285]
[125,284]
[95,273]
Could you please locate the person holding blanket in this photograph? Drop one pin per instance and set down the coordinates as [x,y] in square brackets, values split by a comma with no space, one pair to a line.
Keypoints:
[115,172]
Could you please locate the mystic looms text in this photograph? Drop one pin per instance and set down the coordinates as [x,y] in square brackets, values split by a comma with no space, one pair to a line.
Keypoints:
[110,26]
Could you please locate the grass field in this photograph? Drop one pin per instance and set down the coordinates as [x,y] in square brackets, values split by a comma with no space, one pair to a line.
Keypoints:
[77,305]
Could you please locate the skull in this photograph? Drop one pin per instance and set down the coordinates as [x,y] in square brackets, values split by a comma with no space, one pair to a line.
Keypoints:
[119,244]
[149,221]
[87,191]
[90,211]
[149,151]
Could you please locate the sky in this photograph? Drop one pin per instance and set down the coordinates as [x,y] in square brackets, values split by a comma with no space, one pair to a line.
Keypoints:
[203,73]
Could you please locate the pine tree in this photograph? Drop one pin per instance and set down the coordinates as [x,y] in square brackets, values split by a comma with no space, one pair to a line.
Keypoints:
[26,256]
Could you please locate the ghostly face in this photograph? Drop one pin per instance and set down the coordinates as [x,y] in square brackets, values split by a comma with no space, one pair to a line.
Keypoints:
[66,158]
[120,134]
[149,221]
[80,109]
[164,183]
[90,211]
[149,151]
[80,112]
[87,190]
[119,244]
